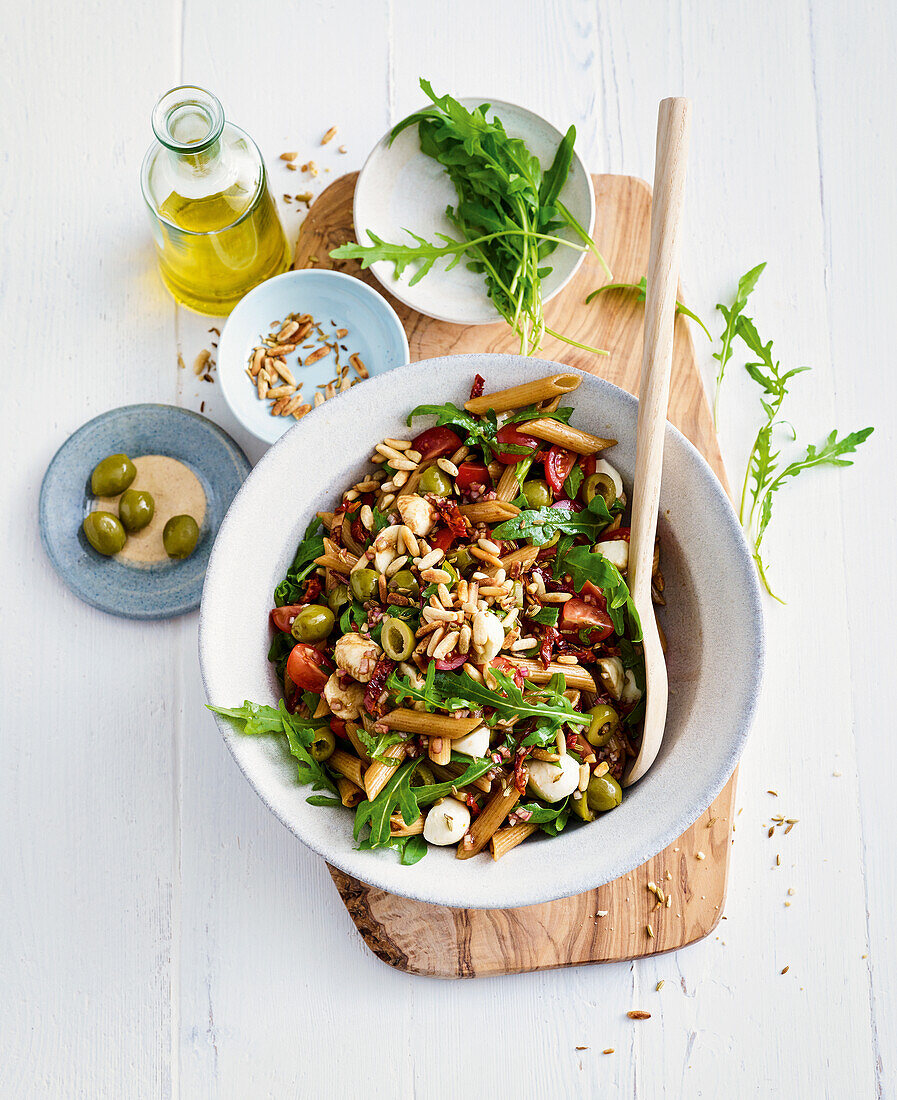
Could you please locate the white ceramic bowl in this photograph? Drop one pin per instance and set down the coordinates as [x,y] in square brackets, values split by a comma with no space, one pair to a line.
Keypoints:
[400,188]
[713,621]
[375,332]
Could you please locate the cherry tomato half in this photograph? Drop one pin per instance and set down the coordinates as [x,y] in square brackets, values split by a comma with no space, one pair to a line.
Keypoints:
[282,617]
[587,465]
[610,536]
[436,442]
[472,473]
[308,668]
[579,615]
[558,463]
[510,435]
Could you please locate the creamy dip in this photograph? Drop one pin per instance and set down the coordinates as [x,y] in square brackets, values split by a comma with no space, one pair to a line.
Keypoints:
[176,491]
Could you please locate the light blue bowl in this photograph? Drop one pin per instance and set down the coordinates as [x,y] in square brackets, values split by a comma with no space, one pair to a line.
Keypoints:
[159,591]
[375,333]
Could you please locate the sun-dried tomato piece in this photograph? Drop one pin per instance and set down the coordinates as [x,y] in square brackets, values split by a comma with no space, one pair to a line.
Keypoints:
[372,703]
[450,516]
[476,390]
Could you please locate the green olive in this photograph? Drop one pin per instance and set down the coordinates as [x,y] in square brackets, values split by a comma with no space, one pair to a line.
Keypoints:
[135,509]
[323,745]
[179,536]
[605,722]
[338,597]
[537,493]
[363,583]
[312,623]
[112,476]
[104,533]
[580,806]
[603,793]
[423,775]
[405,582]
[397,639]
[435,481]
[599,485]
[462,559]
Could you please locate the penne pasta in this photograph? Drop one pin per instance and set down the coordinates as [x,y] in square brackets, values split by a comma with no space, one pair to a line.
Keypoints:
[397,826]
[322,709]
[357,743]
[347,765]
[555,431]
[440,750]
[430,725]
[489,511]
[493,814]
[575,675]
[508,486]
[525,556]
[377,775]
[529,393]
[506,839]
[331,561]
[350,794]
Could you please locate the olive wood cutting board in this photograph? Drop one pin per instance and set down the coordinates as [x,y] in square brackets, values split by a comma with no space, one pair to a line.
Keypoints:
[444,942]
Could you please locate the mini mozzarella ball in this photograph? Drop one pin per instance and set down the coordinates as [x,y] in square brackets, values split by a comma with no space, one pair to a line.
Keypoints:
[475,743]
[602,467]
[611,671]
[616,551]
[357,655]
[345,702]
[447,821]
[553,781]
[631,692]
[417,514]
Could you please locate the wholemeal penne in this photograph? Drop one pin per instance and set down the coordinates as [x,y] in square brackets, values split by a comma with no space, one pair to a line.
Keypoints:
[377,775]
[493,814]
[440,750]
[350,793]
[347,765]
[504,840]
[397,826]
[489,511]
[404,620]
[529,393]
[571,439]
[429,725]
[357,743]
[508,487]
[575,675]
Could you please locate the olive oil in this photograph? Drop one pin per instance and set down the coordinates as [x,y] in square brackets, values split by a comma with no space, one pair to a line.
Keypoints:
[215,225]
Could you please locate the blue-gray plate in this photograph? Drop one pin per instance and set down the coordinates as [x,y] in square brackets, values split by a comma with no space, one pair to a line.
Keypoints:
[160,591]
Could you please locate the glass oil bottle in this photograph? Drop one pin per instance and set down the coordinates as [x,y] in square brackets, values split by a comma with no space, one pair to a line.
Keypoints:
[215,225]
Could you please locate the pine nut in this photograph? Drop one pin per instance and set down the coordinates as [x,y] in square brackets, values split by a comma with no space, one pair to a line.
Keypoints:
[430,560]
[448,467]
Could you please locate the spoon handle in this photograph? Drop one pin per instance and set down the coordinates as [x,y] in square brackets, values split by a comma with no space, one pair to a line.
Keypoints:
[673,124]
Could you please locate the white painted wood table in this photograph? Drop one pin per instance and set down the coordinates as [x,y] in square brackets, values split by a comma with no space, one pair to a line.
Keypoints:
[160,933]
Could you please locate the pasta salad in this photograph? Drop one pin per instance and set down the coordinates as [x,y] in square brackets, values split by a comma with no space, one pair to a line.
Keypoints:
[457,647]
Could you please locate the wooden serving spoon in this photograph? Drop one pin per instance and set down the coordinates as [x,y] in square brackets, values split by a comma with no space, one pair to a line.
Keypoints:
[673,122]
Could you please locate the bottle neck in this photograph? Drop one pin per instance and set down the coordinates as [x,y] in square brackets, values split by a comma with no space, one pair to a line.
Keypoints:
[188,122]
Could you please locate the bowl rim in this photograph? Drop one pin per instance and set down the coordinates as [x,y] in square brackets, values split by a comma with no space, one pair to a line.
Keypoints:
[398,290]
[519,895]
[257,293]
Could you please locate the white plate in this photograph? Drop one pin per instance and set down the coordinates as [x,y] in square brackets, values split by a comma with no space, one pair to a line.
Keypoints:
[400,188]
[713,621]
